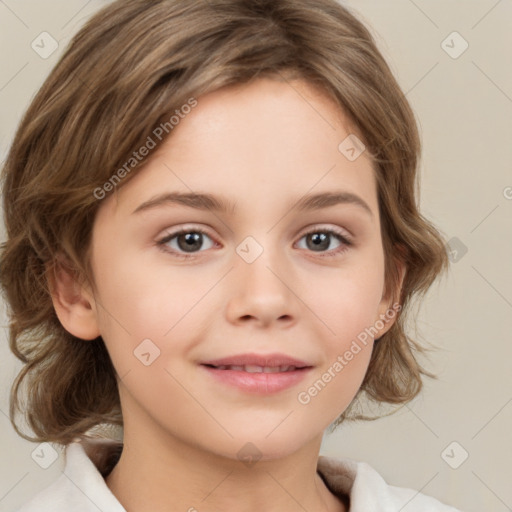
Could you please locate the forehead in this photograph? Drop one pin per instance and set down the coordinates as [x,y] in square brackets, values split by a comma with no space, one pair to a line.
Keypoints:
[269,110]
[268,133]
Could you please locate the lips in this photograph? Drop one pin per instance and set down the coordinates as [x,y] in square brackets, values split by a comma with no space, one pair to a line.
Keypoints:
[251,368]
[259,374]
[251,362]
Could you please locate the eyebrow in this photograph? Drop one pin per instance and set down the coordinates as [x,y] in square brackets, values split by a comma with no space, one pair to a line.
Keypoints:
[201,201]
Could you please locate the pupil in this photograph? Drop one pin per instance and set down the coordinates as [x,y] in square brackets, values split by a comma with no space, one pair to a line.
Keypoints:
[319,240]
[192,241]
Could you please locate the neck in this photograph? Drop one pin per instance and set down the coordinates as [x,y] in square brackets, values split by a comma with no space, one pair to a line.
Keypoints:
[152,475]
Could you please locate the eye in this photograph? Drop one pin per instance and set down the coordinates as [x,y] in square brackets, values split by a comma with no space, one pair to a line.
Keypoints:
[319,240]
[185,241]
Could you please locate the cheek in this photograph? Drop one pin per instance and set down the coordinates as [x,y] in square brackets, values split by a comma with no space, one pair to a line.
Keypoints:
[336,383]
[347,336]
[137,295]
[137,304]
[347,300]
[348,308]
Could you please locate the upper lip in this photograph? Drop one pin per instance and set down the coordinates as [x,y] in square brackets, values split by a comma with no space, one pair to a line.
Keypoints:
[264,360]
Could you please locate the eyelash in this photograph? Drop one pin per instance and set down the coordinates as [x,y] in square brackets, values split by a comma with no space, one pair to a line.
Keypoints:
[345,241]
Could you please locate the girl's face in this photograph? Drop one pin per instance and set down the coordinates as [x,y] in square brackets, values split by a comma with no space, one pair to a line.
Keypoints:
[261,268]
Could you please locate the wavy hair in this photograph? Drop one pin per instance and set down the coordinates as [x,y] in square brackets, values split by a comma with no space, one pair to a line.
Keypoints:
[126,72]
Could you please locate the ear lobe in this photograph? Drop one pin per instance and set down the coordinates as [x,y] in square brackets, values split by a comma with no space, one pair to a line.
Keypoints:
[73,304]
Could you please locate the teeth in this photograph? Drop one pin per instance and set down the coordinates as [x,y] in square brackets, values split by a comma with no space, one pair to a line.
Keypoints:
[287,368]
[250,368]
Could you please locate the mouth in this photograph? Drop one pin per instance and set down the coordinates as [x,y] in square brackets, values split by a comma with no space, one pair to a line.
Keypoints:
[258,369]
[253,362]
[258,374]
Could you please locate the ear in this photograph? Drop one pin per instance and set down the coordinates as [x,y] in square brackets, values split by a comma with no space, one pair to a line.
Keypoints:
[74,303]
[389,306]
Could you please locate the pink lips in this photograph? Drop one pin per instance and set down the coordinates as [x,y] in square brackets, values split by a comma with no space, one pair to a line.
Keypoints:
[260,374]
[257,360]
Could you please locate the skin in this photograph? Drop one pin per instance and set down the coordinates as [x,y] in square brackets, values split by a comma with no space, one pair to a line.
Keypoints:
[262,146]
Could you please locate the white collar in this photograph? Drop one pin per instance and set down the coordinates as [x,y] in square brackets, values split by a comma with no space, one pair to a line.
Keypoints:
[82,487]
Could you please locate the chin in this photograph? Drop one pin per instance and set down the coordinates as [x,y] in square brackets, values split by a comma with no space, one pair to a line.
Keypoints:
[261,447]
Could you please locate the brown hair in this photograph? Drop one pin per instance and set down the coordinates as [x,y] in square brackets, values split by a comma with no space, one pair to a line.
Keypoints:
[126,72]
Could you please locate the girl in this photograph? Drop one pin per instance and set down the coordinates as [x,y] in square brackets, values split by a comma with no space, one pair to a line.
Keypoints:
[213,237]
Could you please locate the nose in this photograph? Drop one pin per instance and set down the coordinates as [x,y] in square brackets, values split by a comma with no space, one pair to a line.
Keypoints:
[262,293]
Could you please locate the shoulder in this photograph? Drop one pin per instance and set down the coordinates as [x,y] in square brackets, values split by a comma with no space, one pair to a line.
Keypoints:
[369,492]
[58,496]
[80,488]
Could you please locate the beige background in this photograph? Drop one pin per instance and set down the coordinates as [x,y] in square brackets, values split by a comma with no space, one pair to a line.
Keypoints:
[465,109]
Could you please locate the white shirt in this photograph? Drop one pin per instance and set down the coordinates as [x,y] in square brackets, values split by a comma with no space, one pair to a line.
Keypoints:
[82,488]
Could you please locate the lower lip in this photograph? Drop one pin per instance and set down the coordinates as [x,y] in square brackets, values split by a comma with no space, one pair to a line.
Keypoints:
[259,383]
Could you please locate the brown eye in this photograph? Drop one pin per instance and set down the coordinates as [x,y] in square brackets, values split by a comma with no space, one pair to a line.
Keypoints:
[318,241]
[190,242]
[321,241]
[186,241]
